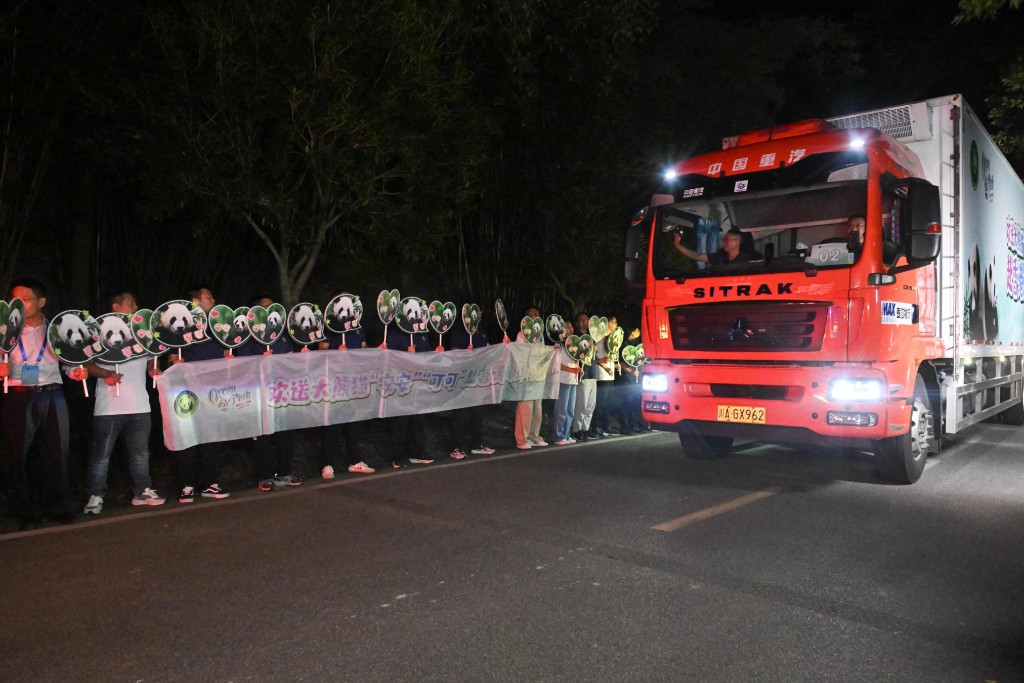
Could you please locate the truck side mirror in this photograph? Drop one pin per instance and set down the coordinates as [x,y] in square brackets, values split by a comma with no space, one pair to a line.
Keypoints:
[923,216]
[635,263]
[920,216]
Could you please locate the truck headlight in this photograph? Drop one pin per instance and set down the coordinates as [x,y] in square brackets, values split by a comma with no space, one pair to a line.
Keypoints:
[850,390]
[656,383]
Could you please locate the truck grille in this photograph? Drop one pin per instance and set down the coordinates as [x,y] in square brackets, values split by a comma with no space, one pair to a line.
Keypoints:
[782,326]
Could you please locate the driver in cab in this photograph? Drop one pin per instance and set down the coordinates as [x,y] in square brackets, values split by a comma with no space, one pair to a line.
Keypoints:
[730,253]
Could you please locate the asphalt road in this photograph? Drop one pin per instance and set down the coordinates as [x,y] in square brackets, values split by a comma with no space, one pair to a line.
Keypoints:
[620,560]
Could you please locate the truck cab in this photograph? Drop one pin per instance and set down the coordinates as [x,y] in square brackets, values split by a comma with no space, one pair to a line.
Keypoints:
[808,334]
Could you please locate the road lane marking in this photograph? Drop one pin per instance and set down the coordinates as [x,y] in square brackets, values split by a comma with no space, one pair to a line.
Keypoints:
[707,513]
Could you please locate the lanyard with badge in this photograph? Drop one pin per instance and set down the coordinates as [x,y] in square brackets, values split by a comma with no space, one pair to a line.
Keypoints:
[30,373]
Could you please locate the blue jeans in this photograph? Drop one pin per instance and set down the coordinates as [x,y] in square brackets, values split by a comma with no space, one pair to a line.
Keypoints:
[565,408]
[105,430]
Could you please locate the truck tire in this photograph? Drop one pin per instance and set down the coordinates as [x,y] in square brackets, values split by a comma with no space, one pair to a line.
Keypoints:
[901,459]
[702,447]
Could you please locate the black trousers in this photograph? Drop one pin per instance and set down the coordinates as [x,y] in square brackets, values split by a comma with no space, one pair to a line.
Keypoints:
[41,418]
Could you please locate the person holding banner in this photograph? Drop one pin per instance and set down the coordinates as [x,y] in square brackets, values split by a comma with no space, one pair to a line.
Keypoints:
[273,454]
[467,423]
[35,409]
[346,435]
[407,430]
[121,409]
[199,463]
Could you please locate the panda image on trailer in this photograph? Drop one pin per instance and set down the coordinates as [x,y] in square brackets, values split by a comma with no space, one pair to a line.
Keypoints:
[982,297]
[239,324]
[115,332]
[447,318]
[991,312]
[975,301]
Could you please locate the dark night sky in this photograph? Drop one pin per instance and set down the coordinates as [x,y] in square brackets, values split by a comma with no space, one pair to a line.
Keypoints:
[911,50]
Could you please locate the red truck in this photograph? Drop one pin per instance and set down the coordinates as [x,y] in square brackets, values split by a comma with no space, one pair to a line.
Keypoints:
[855,281]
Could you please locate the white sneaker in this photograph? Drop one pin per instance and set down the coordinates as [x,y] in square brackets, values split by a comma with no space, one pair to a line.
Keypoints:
[457,454]
[482,450]
[571,440]
[420,461]
[562,442]
[214,491]
[148,497]
[538,442]
[327,472]
[94,506]
[359,468]
[524,446]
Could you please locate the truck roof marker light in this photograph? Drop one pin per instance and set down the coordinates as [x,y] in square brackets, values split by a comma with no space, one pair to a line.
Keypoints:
[670,175]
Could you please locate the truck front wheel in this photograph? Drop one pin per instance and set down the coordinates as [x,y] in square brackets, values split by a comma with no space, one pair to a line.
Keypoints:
[902,458]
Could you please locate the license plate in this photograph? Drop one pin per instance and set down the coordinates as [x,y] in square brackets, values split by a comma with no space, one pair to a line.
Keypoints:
[747,414]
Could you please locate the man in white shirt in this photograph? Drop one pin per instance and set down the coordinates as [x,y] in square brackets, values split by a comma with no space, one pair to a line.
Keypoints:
[122,408]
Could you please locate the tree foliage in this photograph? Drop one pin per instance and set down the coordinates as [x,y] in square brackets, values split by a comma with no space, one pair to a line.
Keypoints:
[303,121]
[983,9]
[32,105]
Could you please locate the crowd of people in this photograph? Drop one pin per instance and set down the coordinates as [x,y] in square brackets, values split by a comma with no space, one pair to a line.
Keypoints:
[36,427]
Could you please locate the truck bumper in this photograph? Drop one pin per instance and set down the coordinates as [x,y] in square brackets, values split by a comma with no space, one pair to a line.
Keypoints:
[779,403]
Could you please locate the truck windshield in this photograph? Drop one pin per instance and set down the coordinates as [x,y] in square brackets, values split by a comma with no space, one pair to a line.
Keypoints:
[793,218]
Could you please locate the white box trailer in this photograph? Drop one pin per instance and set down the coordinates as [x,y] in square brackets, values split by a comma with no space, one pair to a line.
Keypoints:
[980,272]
